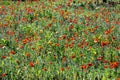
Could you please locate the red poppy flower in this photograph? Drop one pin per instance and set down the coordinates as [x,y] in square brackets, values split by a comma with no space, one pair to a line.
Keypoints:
[113,38]
[64,59]
[75,21]
[73,56]
[3,57]
[4,74]
[71,27]
[100,58]
[66,45]
[87,24]
[112,27]
[104,43]
[51,62]
[106,61]
[45,69]
[21,47]
[69,4]
[84,67]
[90,64]
[71,45]
[64,36]
[28,54]
[117,48]
[108,31]
[75,34]
[24,19]
[32,64]
[96,40]
[33,48]
[73,38]
[25,41]
[107,20]
[116,64]
[12,52]
[50,25]
[41,47]
[96,27]
[58,44]
[3,7]
[62,12]
[117,57]
[63,69]
[105,67]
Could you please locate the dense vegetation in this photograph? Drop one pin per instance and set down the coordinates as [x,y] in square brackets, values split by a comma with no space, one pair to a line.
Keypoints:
[59,40]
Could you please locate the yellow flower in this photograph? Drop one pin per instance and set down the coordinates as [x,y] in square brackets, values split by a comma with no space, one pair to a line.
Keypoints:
[41,31]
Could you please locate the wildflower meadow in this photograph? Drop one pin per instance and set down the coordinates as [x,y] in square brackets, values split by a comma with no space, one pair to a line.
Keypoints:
[59,40]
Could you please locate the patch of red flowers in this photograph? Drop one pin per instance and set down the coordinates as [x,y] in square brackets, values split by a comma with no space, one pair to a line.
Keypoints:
[104,43]
[114,65]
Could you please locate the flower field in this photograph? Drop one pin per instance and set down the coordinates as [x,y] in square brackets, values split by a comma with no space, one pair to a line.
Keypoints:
[59,40]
